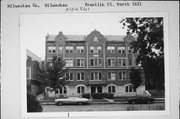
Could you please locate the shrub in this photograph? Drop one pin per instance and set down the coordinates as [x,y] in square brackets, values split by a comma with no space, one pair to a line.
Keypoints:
[98,95]
[108,95]
[33,105]
[86,95]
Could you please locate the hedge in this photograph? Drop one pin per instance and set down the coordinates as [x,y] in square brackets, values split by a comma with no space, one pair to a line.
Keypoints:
[98,95]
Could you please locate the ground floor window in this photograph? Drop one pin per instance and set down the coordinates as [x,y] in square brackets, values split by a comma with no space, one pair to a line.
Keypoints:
[63,90]
[129,88]
[111,89]
[80,89]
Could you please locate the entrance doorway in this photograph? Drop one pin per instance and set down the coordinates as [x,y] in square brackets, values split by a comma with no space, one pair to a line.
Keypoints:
[96,89]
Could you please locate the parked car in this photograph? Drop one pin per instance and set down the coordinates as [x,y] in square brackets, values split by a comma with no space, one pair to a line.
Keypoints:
[140,100]
[72,100]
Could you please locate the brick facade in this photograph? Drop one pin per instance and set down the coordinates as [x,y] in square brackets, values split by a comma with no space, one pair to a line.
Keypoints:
[102,61]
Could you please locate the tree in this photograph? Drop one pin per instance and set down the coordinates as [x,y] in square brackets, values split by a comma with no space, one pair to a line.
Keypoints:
[56,72]
[150,45]
[135,78]
[42,76]
[53,73]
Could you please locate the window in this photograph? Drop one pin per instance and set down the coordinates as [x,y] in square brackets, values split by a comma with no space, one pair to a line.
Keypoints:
[111,76]
[80,76]
[28,73]
[80,62]
[95,62]
[69,76]
[129,50]
[129,88]
[80,49]
[111,89]
[111,62]
[99,49]
[122,75]
[51,49]
[95,49]
[121,62]
[60,49]
[128,75]
[69,49]
[80,89]
[110,49]
[96,76]
[63,90]
[121,49]
[130,62]
[91,49]
[69,62]
[95,38]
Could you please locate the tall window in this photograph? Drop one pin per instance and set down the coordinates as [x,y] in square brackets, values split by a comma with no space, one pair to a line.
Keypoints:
[95,62]
[130,62]
[122,75]
[80,49]
[111,89]
[111,62]
[121,62]
[96,76]
[63,90]
[80,89]
[69,62]
[69,76]
[69,49]
[51,49]
[129,50]
[80,76]
[111,76]
[95,49]
[60,49]
[129,88]
[80,62]
[121,49]
[110,49]
[28,73]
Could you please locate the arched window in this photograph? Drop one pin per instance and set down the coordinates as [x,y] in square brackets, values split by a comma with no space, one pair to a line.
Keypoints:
[129,88]
[111,89]
[80,89]
[63,90]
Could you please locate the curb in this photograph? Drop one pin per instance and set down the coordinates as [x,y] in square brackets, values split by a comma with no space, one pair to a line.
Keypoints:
[121,101]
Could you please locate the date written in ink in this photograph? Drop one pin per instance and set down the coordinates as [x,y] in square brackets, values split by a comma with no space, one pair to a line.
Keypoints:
[75,9]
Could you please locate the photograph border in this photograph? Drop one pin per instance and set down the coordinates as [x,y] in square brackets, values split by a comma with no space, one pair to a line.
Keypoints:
[164,15]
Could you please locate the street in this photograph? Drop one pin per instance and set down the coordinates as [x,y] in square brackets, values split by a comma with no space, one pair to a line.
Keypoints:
[102,107]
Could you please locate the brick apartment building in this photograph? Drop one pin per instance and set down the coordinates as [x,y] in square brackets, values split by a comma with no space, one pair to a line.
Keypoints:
[98,63]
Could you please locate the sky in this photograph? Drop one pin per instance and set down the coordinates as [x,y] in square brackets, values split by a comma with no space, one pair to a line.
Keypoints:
[35,27]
